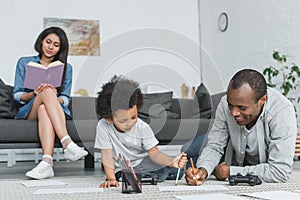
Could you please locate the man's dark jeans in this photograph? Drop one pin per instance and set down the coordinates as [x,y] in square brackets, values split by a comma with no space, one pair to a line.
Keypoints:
[194,147]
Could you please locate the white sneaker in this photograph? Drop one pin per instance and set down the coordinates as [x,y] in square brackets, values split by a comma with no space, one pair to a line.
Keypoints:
[41,171]
[73,152]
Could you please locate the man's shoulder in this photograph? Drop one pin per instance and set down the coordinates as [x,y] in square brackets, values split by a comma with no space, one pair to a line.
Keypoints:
[276,101]
[275,98]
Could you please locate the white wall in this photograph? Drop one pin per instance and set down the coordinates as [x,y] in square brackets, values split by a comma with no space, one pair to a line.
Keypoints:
[156,41]
[256,28]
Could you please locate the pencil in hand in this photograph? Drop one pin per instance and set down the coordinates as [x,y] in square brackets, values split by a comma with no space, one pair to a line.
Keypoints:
[193,169]
[177,177]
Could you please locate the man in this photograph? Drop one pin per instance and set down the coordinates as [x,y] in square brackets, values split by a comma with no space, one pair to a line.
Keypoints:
[256,126]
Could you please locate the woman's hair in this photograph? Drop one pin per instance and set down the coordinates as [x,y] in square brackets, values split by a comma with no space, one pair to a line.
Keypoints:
[118,93]
[62,54]
[252,77]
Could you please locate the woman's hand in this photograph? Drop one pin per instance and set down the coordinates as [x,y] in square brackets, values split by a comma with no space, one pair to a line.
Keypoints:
[43,86]
[180,160]
[109,183]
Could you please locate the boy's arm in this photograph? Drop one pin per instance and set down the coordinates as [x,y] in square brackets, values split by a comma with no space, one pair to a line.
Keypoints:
[162,159]
[109,168]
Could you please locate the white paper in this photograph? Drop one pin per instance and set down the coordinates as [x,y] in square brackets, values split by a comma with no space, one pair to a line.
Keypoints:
[68,190]
[219,196]
[36,183]
[275,195]
[187,188]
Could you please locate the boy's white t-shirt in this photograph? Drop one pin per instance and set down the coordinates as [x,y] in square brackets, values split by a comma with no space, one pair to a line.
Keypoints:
[132,144]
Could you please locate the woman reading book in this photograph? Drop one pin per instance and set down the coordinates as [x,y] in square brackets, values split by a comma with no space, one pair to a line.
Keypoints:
[47,104]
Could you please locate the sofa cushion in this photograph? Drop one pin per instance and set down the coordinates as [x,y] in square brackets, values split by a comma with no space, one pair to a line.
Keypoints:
[202,105]
[8,110]
[156,106]
[179,131]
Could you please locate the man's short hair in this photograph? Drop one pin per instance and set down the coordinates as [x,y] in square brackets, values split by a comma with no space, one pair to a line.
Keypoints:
[254,79]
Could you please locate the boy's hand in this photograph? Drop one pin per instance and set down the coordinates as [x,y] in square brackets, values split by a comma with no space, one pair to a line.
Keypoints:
[109,183]
[180,160]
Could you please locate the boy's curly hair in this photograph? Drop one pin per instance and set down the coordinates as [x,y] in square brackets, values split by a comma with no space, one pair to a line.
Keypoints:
[118,93]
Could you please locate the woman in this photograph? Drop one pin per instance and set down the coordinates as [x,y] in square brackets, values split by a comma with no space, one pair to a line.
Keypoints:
[46,104]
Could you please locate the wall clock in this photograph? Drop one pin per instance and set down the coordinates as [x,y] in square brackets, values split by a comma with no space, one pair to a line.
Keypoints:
[223,22]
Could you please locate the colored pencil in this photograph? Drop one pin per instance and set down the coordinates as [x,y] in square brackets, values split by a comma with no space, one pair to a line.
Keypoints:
[193,169]
[177,177]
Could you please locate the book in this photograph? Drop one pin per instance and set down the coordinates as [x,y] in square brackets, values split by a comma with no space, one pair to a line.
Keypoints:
[37,73]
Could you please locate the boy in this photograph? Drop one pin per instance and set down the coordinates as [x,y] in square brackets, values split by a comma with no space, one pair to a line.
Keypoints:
[121,131]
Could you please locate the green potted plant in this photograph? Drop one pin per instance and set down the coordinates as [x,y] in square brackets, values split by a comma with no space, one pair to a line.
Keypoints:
[284,77]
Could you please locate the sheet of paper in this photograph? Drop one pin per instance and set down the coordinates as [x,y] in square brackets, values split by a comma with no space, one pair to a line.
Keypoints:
[210,197]
[68,190]
[37,183]
[275,195]
[187,188]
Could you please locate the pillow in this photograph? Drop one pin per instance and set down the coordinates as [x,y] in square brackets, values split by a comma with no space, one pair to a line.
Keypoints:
[156,106]
[7,103]
[202,105]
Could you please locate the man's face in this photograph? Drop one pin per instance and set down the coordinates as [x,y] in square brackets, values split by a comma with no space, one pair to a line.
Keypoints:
[243,106]
[124,120]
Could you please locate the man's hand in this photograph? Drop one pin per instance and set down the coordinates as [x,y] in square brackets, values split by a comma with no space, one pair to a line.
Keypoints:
[201,175]
[109,183]
[222,171]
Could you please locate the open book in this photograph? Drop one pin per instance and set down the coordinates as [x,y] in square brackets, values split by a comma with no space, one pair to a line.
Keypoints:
[37,73]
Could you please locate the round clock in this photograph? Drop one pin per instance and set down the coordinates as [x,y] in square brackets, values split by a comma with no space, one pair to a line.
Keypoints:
[223,21]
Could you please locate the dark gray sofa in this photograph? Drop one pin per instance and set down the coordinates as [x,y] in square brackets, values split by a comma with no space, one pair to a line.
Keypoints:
[19,134]
[22,134]
[184,128]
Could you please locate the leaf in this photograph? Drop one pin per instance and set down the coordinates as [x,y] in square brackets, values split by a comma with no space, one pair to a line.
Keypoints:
[275,72]
[271,85]
[284,58]
[267,71]
[295,68]
[288,76]
[276,55]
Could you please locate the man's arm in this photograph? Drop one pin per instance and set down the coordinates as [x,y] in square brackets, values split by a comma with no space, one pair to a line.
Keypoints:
[218,138]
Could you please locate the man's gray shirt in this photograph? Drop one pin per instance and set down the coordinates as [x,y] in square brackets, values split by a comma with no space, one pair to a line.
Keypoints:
[276,136]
